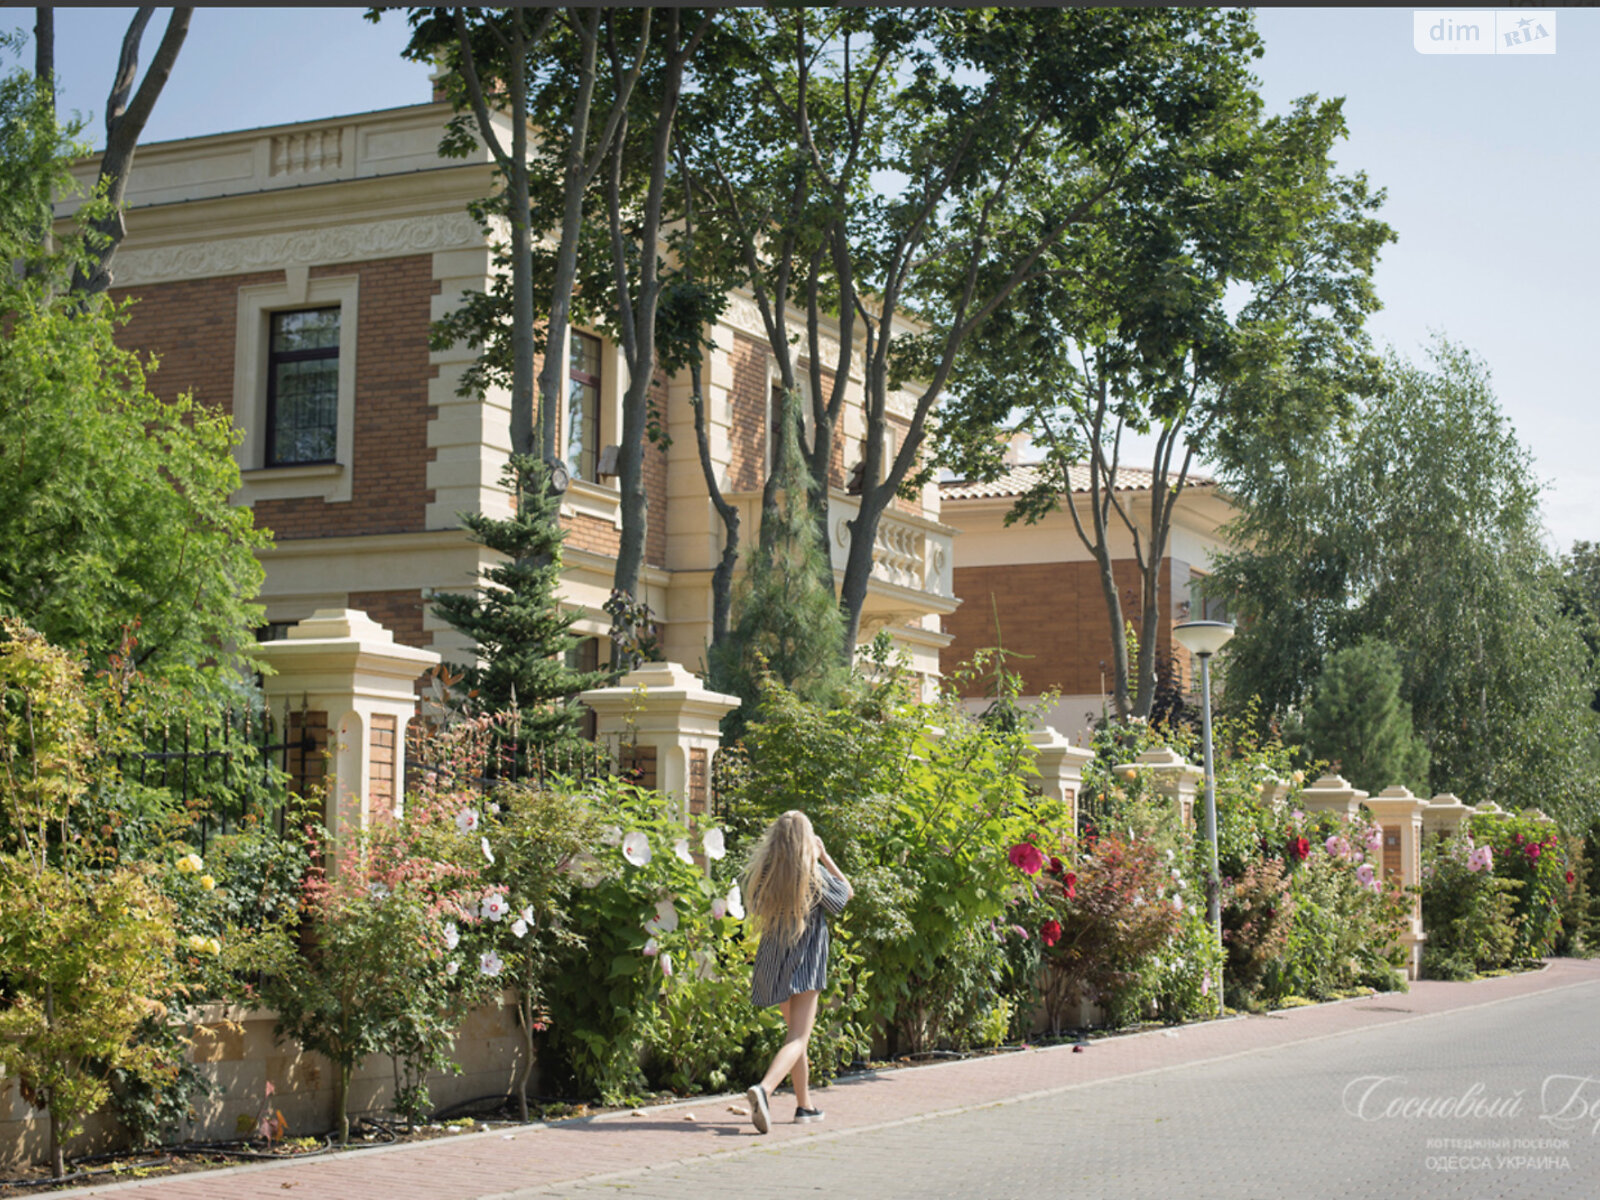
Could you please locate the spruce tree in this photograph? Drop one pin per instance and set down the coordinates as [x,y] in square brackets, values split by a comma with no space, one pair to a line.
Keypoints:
[516,622]
[785,618]
[1358,720]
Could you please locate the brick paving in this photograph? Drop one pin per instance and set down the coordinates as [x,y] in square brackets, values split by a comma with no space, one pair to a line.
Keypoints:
[1098,1123]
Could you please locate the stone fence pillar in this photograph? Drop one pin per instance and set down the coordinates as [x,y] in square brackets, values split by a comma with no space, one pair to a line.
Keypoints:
[1332,793]
[1444,817]
[348,684]
[1399,814]
[662,723]
[1174,776]
[1060,766]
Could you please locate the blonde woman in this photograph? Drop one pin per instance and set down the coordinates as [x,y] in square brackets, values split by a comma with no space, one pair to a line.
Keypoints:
[790,884]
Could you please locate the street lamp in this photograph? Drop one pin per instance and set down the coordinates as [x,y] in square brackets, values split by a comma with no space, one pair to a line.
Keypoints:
[1205,638]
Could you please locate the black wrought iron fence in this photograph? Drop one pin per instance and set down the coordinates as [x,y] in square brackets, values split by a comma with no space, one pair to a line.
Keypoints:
[225,767]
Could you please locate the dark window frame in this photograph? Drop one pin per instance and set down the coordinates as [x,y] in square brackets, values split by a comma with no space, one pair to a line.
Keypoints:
[276,357]
[588,465]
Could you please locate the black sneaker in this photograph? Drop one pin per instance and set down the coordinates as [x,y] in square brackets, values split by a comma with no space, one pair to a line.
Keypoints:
[760,1116]
[804,1116]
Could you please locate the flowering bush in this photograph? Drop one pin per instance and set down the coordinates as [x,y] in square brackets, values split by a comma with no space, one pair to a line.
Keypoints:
[923,807]
[1468,911]
[1118,908]
[1257,916]
[376,970]
[1531,853]
[658,935]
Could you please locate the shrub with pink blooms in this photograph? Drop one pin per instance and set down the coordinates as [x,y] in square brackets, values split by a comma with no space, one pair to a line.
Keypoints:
[1468,910]
[1534,854]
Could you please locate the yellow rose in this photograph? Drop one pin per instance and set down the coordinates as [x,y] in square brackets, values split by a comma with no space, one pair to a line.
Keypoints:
[207,882]
[190,864]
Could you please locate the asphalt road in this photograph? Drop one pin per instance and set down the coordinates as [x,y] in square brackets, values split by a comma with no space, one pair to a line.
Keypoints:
[1494,1101]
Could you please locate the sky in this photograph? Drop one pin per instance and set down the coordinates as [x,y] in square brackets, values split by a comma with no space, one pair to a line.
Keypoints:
[1490,164]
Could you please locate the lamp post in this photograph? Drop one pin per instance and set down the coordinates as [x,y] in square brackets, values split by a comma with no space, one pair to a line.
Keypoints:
[1205,638]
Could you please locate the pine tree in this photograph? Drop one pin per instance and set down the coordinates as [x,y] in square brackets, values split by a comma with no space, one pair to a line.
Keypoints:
[1357,719]
[516,622]
[785,618]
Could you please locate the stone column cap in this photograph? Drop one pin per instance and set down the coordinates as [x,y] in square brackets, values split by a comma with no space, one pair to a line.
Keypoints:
[1446,800]
[665,684]
[1333,785]
[1047,740]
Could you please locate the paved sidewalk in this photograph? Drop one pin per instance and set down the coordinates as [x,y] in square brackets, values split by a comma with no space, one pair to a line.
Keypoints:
[549,1159]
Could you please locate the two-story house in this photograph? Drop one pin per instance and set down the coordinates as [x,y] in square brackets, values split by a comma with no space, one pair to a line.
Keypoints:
[289,276]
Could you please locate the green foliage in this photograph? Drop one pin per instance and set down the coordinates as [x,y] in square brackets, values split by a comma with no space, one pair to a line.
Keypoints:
[1532,853]
[919,803]
[1468,911]
[516,622]
[785,619]
[659,933]
[1345,934]
[1220,294]
[114,505]
[375,974]
[1357,721]
[1116,909]
[1420,527]
[86,958]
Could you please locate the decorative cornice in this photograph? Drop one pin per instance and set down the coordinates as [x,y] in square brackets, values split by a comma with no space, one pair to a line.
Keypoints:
[310,247]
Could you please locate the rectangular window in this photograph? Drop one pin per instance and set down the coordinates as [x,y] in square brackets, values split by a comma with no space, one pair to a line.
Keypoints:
[583,406]
[303,387]
[1203,607]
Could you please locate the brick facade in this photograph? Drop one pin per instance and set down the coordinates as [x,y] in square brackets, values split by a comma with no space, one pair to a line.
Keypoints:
[1055,613]
[400,612]
[192,327]
[750,392]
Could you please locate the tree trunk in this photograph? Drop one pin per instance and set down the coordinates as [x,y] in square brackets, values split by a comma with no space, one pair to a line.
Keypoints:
[525,1067]
[552,385]
[125,121]
[341,1103]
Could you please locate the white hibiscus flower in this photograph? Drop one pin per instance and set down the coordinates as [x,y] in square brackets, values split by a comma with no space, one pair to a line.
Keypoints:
[494,907]
[467,820]
[713,843]
[681,849]
[452,936]
[736,904]
[636,849]
[490,963]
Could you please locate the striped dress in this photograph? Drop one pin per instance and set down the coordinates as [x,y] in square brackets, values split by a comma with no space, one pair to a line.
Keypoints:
[803,967]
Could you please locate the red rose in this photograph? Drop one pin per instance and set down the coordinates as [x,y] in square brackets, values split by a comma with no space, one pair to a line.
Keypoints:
[1070,885]
[1055,866]
[1300,848]
[1026,858]
[1534,850]
[1570,878]
[1050,932]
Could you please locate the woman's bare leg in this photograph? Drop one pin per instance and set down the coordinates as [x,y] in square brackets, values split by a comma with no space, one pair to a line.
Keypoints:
[799,1014]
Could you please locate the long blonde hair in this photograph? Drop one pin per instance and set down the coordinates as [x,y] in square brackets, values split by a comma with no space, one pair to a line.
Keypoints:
[780,882]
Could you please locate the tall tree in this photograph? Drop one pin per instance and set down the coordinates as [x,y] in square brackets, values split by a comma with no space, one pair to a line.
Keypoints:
[922,164]
[1224,289]
[1421,526]
[785,620]
[530,67]
[114,510]
[127,111]
[516,622]
[1356,720]
[636,186]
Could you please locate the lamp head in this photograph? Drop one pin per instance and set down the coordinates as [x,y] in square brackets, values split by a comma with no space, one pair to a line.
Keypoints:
[1204,638]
